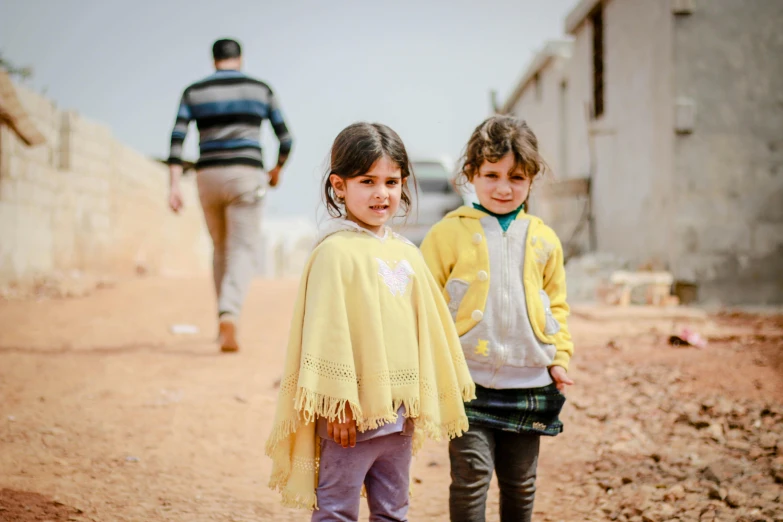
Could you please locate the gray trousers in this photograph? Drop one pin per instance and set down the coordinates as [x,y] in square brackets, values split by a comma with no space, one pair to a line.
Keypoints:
[382,464]
[231,198]
[479,452]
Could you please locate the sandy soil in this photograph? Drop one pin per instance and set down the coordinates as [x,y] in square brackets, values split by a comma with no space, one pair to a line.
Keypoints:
[106,415]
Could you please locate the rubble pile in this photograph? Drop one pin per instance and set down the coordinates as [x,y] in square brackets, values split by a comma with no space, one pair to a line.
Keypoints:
[663,456]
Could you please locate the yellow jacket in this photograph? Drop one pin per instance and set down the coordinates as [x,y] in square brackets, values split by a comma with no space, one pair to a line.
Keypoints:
[500,286]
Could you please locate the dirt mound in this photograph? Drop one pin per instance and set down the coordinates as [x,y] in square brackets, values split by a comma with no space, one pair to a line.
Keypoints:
[24,506]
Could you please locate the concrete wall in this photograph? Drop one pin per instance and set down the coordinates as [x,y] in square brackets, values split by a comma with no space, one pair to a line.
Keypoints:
[83,201]
[579,78]
[728,174]
[705,204]
[633,138]
[542,106]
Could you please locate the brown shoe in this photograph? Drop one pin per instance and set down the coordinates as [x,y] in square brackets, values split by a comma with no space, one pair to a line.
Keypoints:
[228,335]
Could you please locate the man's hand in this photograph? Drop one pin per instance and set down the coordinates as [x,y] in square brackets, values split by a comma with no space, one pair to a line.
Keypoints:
[175,194]
[343,433]
[175,198]
[560,376]
[274,176]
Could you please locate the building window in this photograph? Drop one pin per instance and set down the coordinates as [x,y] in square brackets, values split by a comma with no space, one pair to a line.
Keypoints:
[597,20]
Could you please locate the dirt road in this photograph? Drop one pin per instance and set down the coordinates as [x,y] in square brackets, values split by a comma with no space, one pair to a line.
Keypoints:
[106,415]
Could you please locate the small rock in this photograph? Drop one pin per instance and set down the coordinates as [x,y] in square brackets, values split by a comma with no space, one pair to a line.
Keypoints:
[694,421]
[603,465]
[131,458]
[673,471]
[708,514]
[771,494]
[675,493]
[755,452]
[593,491]
[717,492]
[715,431]
[723,407]
[11,418]
[734,433]
[768,441]
[739,410]
[610,483]
[736,498]
[240,398]
[721,471]
[666,511]
[740,445]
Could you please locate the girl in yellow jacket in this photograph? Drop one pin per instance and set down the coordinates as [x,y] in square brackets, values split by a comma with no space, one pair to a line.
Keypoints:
[374,361]
[501,271]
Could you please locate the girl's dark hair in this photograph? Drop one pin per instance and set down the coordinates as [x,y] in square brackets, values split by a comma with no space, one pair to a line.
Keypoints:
[356,149]
[494,138]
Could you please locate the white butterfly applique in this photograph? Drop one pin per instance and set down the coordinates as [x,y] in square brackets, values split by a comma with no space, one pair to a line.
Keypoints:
[396,279]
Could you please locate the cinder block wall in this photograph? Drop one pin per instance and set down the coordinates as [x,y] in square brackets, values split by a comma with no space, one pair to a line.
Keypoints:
[83,201]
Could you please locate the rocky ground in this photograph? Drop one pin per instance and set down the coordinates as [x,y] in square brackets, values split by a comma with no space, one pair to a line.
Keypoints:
[106,415]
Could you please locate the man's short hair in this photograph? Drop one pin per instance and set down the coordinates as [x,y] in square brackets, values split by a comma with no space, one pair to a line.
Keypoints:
[225,49]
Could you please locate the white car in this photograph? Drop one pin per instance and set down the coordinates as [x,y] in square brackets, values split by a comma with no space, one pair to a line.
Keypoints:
[434,196]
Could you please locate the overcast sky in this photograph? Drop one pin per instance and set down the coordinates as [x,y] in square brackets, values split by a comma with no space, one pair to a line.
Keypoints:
[423,67]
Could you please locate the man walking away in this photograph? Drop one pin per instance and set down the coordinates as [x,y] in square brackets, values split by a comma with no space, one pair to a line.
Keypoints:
[229,108]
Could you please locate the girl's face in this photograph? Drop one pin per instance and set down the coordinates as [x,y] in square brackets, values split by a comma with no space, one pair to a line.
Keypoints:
[372,198]
[501,187]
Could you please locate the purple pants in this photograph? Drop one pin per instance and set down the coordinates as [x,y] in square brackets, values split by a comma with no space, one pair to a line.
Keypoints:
[382,464]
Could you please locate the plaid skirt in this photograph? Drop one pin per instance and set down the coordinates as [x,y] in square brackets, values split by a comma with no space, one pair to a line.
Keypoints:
[533,410]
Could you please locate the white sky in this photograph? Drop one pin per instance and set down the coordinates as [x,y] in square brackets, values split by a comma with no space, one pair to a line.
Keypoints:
[425,68]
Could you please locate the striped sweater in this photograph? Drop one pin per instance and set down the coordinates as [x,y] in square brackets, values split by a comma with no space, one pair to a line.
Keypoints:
[229,108]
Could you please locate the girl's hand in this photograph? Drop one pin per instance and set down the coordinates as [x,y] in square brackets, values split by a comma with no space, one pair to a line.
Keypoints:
[343,433]
[560,376]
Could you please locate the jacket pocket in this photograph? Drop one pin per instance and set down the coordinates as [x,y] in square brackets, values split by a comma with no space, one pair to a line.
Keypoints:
[456,288]
[552,326]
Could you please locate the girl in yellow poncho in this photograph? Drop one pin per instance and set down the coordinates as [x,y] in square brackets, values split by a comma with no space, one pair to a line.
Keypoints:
[374,362]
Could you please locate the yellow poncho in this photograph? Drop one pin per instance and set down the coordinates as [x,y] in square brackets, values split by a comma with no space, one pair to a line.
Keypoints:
[370,329]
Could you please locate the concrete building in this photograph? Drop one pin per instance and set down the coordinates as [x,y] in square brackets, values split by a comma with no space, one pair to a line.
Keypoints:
[670,114]
[75,200]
